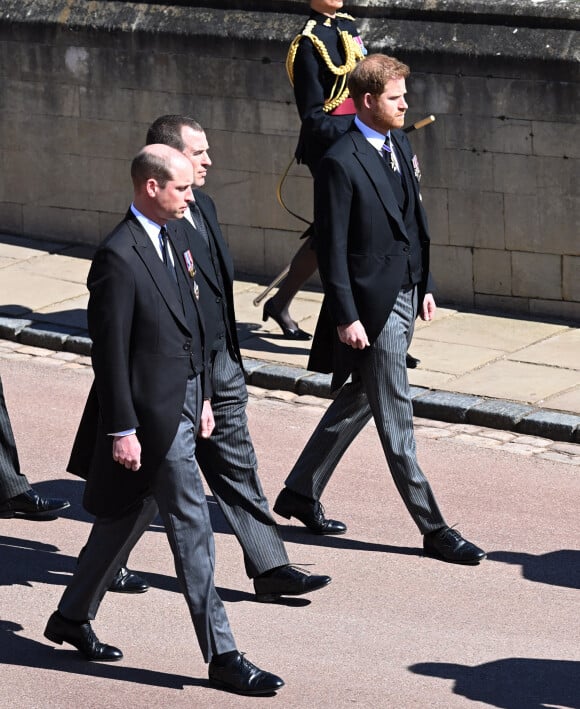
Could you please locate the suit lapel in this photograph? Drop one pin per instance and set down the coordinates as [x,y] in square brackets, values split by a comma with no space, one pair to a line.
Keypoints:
[406,160]
[371,162]
[194,241]
[180,246]
[204,203]
[157,270]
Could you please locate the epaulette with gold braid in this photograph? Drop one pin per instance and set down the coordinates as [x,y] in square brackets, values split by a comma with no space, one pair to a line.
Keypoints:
[353,53]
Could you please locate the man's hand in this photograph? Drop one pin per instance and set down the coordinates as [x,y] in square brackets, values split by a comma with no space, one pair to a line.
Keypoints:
[127,451]
[207,423]
[428,308]
[353,335]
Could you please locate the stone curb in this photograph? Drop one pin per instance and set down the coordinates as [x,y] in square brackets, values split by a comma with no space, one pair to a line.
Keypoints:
[427,403]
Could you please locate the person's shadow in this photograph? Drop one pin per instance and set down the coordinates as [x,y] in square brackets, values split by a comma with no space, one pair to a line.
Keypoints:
[26,561]
[20,651]
[512,683]
[557,568]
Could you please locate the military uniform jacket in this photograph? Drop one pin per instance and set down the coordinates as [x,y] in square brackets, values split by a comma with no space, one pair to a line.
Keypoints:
[317,89]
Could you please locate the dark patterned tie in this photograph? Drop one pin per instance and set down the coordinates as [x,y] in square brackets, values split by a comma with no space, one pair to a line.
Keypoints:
[199,221]
[390,152]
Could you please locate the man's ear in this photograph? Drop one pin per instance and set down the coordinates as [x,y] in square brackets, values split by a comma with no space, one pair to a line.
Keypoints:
[368,100]
[152,187]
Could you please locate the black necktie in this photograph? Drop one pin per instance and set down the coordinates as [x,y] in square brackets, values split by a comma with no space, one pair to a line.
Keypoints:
[389,154]
[163,239]
[199,221]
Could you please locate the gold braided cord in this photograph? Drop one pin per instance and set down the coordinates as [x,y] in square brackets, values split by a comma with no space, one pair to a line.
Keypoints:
[353,54]
[291,56]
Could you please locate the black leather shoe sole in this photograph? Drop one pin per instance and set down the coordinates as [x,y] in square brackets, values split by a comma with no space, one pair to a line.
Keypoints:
[58,631]
[33,514]
[244,692]
[273,596]
[464,562]
[126,581]
[246,680]
[331,528]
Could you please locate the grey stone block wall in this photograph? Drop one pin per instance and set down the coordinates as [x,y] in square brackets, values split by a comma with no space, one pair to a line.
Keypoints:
[80,82]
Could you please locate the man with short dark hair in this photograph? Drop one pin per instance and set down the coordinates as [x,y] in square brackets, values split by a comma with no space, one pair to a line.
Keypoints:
[372,243]
[227,458]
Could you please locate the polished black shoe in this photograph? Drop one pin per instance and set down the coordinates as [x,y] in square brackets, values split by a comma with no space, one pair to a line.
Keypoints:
[286,581]
[309,512]
[449,545]
[411,361]
[242,677]
[290,333]
[61,630]
[127,581]
[31,504]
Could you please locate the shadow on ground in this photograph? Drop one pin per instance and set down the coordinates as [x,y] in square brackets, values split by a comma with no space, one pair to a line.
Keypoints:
[512,683]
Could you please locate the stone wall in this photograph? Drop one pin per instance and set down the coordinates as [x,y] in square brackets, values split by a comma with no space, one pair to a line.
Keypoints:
[81,81]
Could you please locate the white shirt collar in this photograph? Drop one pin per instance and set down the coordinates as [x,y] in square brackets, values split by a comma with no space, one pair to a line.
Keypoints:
[152,229]
[375,139]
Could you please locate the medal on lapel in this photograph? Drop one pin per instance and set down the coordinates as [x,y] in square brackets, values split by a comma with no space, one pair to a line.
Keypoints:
[189,263]
[416,168]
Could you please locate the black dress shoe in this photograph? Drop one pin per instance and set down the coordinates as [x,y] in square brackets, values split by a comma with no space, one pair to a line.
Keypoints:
[286,581]
[449,545]
[61,630]
[309,512]
[411,361]
[290,333]
[127,581]
[31,504]
[241,676]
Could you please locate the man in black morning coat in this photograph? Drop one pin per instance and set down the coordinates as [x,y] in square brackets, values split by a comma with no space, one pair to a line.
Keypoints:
[136,441]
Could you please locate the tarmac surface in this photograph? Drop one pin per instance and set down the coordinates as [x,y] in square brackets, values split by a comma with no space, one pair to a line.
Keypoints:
[394,630]
[508,373]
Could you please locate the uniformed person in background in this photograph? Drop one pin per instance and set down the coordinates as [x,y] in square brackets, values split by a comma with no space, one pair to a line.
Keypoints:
[319,61]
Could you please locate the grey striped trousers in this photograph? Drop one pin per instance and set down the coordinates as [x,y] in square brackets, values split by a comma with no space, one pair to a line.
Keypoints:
[12,481]
[379,388]
[228,462]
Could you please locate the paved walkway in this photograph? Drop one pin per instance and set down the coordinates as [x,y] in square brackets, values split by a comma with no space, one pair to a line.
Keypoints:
[500,372]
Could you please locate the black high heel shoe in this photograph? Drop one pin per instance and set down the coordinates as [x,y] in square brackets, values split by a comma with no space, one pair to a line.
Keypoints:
[411,361]
[290,333]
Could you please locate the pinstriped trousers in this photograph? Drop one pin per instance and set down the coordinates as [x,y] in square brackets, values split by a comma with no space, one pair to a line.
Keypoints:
[379,388]
[228,462]
[179,496]
[12,481]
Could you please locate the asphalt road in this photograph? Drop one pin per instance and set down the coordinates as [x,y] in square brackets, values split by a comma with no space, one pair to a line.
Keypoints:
[393,630]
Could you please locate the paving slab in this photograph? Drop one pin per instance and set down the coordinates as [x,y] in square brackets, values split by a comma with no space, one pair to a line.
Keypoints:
[568,401]
[25,292]
[507,361]
[452,358]
[68,268]
[517,381]
[504,333]
[563,349]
